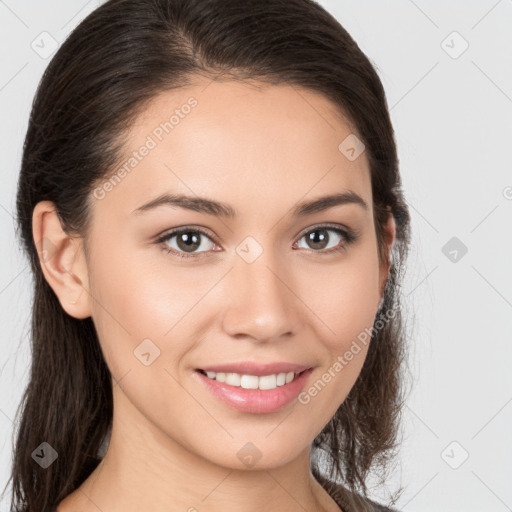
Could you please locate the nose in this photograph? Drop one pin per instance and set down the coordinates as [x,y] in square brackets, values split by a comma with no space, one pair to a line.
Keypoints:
[260,301]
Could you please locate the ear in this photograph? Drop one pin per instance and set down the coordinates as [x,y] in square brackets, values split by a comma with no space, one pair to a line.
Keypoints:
[389,238]
[62,260]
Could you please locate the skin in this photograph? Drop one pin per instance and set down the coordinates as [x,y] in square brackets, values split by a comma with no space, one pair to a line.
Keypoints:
[260,149]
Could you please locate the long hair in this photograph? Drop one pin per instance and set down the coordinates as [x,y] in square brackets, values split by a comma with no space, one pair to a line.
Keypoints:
[116,60]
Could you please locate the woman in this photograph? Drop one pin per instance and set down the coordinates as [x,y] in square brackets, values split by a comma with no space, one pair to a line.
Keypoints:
[211,204]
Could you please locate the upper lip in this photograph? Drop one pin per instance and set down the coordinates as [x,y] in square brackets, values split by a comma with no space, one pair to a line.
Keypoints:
[257,369]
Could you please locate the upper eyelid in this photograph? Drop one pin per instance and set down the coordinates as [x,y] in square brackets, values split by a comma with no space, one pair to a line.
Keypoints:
[176,231]
[335,227]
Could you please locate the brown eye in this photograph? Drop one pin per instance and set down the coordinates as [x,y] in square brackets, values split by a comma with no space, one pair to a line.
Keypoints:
[186,242]
[326,239]
[318,239]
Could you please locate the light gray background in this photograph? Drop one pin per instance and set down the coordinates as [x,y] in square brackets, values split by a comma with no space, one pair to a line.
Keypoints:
[453,120]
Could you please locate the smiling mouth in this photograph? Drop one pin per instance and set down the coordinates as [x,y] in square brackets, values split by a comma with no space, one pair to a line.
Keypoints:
[246,381]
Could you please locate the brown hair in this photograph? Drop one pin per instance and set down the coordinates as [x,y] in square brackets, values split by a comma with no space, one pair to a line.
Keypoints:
[121,56]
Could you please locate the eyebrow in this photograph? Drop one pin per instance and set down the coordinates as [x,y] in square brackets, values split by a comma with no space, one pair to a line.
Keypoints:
[219,209]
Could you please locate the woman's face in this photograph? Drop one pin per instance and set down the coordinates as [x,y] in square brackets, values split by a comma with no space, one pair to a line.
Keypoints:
[274,282]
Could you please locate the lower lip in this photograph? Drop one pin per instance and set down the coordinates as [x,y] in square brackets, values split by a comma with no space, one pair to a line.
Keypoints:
[256,401]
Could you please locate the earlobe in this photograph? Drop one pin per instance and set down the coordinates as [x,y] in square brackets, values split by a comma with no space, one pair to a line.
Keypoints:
[62,260]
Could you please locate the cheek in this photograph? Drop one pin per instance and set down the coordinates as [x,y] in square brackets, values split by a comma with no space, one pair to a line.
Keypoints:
[141,318]
[137,298]
[344,300]
[345,296]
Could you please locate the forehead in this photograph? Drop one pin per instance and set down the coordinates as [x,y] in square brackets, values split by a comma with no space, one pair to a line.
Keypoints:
[252,145]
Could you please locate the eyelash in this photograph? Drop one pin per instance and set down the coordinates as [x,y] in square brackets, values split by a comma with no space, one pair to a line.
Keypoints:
[348,235]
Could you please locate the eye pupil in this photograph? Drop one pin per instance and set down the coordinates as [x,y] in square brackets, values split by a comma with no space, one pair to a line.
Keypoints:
[188,241]
[320,241]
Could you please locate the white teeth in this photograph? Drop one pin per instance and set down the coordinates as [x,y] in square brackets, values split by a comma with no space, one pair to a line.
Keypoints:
[253,381]
[249,382]
[268,382]
[233,379]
